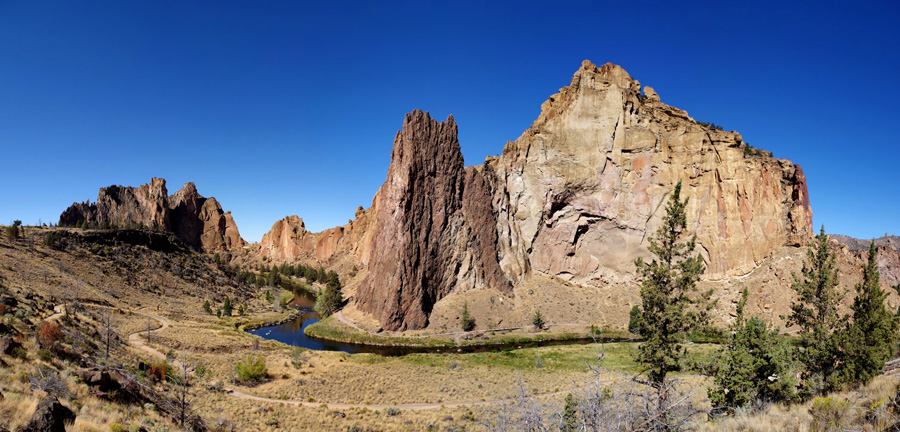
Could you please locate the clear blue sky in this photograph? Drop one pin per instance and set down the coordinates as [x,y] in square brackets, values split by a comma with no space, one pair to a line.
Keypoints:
[279,108]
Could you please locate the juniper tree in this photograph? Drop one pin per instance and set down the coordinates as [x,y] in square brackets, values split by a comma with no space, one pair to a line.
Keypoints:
[227,307]
[755,365]
[871,338]
[465,319]
[670,304]
[329,299]
[815,312]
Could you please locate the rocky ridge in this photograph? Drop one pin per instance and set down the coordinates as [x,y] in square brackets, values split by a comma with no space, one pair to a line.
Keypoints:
[198,221]
[573,200]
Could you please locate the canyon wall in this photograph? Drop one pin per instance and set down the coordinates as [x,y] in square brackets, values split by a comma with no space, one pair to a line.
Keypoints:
[575,199]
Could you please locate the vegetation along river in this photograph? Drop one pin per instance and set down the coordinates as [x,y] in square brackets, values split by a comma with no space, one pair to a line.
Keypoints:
[292,333]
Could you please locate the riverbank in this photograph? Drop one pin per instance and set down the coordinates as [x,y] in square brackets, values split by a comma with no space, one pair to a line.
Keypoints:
[333,329]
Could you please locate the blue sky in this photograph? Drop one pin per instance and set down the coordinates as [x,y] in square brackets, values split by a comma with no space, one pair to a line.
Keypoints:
[279,108]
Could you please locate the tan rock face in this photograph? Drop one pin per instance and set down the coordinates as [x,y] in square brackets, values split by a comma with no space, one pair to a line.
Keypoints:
[584,188]
[288,240]
[198,221]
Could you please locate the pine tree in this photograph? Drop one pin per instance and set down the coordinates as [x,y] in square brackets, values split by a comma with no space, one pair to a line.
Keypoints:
[537,320]
[815,312]
[756,364]
[670,306]
[634,320]
[227,307]
[871,338]
[206,307]
[330,299]
[465,320]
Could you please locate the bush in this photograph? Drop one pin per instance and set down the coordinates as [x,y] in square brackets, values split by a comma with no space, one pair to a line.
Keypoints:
[392,411]
[160,371]
[117,427]
[45,355]
[537,320]
[49,334]
[251,369]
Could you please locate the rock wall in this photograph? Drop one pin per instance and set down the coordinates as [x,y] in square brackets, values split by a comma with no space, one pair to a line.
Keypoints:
[289,241]
[198,221]
[574,199]
[433,230]
[581,191]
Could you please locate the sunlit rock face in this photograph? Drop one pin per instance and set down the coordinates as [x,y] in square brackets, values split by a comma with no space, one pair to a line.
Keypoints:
[582,190]
[198,221]
[576,198]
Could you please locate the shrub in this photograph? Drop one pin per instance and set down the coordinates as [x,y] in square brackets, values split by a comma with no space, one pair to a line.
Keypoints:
[253,368]
[49,334]
[117,427]
[160,371]
[392,411]
[45,355]
[537,320]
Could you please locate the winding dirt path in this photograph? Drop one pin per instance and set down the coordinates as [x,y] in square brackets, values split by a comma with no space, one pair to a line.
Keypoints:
[135,339]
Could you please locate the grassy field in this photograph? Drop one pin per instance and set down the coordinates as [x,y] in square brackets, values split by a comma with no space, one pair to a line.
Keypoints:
[332,329]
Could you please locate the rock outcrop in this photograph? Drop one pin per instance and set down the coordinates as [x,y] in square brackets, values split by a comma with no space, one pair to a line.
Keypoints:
[50,416]
[288,240]
[574,199]
[887,255]
[198,221]
[434,230]
[582,190]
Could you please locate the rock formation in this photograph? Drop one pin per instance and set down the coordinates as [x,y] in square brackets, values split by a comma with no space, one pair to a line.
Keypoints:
[580,192]
[288,240]
[574,199]
[198,221]
[434,230]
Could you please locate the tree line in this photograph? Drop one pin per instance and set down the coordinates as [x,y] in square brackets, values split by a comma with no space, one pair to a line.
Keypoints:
[757,363]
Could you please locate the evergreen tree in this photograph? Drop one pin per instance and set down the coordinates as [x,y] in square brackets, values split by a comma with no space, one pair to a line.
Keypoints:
[465,320]
[755,365]
[537,320]
[206,307]
[815,312]
[872,337]
[329,299]
[634,320]
[670,306]
[227,307]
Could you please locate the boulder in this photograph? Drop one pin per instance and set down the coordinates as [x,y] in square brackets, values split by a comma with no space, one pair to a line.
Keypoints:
[50,416]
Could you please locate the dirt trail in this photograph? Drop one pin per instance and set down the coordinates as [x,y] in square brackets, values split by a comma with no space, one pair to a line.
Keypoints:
[135,339]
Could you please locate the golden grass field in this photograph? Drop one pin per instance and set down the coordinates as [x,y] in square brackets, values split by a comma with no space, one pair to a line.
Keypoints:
[344,392]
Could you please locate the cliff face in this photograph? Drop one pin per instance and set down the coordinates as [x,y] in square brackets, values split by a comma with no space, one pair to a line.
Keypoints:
[433,228]
[288,240]
[198,221]
[574,199]
[581,191]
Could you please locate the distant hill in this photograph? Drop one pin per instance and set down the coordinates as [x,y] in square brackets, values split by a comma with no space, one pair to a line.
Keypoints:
[862,244]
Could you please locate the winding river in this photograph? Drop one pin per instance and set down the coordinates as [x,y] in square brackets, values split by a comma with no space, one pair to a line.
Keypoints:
[292,333]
